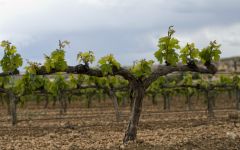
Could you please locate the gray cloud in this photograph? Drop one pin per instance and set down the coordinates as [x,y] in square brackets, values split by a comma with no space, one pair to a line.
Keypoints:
[127,28]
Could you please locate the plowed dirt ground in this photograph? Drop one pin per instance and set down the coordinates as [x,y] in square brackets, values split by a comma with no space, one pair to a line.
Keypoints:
[96,128]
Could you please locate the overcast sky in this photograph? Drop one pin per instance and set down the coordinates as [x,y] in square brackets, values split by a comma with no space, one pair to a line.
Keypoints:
[129,29]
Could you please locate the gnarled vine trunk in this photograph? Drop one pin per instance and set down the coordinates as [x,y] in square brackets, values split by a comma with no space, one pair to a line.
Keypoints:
[131,102]
[63,104]
[123,102]
[138,95]
[154,102]
[115,104]
[237,99]
[13,104]
[54,101]
[189,102]
[46,102]
[2,99]
[209,104]
[69,99]
[89,101]
[166,102]
[8,105]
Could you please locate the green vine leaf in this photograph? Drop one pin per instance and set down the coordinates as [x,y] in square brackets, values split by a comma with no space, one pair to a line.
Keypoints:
[33,67]
[57,59]
[107,63]
[142,68]
[211,53]
[189,54]
[167,48]
[11,60]
[86,57]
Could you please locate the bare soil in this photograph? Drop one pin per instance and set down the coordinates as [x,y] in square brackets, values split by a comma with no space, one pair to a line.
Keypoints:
[96,128]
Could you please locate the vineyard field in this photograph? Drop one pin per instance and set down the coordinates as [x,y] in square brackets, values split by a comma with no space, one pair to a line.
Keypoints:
[180,101]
